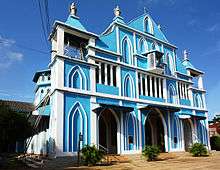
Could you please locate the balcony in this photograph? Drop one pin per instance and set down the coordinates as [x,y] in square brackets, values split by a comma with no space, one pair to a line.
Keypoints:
[155,63]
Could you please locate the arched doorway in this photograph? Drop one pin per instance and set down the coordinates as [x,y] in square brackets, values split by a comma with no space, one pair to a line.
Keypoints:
[154,131]
[187,134]
[108,131]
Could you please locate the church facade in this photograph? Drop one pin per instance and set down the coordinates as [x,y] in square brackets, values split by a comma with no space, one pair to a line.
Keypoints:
[120,91]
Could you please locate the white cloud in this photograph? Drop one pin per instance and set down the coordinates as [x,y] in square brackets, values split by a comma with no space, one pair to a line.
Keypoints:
[213,28]
[7,54]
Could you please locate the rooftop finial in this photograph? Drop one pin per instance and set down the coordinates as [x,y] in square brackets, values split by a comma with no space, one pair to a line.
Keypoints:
[73,9]
[117,11]
[186,55]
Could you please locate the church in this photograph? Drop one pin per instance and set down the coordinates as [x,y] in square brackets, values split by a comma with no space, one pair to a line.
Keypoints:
[120,91]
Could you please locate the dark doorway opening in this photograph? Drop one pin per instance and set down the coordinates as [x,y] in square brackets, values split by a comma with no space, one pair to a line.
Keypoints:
[154,131]
[108,131]
[187,134]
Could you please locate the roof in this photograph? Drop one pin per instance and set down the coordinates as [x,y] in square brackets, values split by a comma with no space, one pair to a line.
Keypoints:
[38,73]
[18,106]
[73,21]
[189,66]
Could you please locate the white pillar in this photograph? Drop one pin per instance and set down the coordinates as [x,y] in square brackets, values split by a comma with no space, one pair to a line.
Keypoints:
[200,82]
[141,84]
[165,89]
[151,90]
[118,77]
[155,87]
[140,129]
[111,75]
[100,72]
[60,41]
[106,80]
[185,91]
[146,86]
[159,83]
[122,133]
[94,123]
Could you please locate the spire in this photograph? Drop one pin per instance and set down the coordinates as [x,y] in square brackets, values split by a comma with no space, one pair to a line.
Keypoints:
[117,11]
[73,9]
[145,10]
[186,55]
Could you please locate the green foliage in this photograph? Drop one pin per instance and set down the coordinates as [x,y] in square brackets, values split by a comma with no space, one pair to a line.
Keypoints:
[13,127]
[151,152]
[198,149]
[215,143]
[91,155]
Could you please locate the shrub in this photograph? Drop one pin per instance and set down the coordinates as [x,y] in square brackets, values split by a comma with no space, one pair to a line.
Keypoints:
[151,152]
[215,143]
[91,155]
[198,149]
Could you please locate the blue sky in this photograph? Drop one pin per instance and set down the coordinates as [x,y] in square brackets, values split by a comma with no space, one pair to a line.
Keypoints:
[189,24]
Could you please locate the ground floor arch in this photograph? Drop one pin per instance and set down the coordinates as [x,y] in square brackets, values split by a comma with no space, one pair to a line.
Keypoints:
[187,131]
[109,131]
[155,130]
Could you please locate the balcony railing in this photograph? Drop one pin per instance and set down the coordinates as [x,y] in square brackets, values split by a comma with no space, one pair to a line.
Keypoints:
[74,52]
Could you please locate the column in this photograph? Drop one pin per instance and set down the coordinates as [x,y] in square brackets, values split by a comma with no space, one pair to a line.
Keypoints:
[106,80]
[159,83]
[146,86]
[200,82]
[60,41]
[111,75]
[100,72]
[165,89]
[141,84]
[185,91]
[155,87]
[182,90]
[151,90]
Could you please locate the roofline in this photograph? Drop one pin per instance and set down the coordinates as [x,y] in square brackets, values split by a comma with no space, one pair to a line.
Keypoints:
[38,72]
[195,70]
[139,32]
[56,23]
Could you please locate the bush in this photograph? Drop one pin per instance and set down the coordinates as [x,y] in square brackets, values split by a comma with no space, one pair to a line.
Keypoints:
[215,143]
[151,152]
[91,155]
[198,149]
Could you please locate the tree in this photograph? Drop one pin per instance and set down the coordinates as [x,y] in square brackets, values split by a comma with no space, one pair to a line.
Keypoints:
[14,126]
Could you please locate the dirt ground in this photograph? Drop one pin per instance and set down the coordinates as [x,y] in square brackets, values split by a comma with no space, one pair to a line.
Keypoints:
[167,161]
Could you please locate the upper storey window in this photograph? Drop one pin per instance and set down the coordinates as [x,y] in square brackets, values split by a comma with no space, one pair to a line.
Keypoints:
[75,47]
[148,25]
[142,46]
[127,50]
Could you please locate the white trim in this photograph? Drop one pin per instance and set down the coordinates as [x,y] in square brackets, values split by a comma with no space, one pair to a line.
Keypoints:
[84,112]
[126,77]
[81,73]
[130,51]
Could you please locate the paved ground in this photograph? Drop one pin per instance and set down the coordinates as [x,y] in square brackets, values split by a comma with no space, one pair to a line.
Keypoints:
[175,161]
[167,161]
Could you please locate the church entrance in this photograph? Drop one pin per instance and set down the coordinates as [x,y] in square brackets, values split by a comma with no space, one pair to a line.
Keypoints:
[187,134]
[154,131]
[108,131]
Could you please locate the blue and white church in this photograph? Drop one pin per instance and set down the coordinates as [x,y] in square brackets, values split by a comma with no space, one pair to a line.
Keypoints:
[121,90]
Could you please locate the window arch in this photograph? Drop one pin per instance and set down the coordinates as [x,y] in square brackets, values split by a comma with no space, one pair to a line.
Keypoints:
[148,25]
[76,123]
[77,78]
[131,131]
[170,63]
[128,86]
[127,50]
[142,45]
[154,46]
[172,94]
[198,101]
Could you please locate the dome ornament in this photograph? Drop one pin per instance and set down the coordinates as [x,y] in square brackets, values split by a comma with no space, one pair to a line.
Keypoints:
[73,9]
[186,55]
[117,11]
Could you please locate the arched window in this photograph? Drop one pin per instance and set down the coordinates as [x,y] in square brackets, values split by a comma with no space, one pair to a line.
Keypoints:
[148,25]
[198,101]
[76,78]
[142,45]
[154,46]
[131,132]
[170,63]
[128,86]
[172,94]
[127,51]
[76,123]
